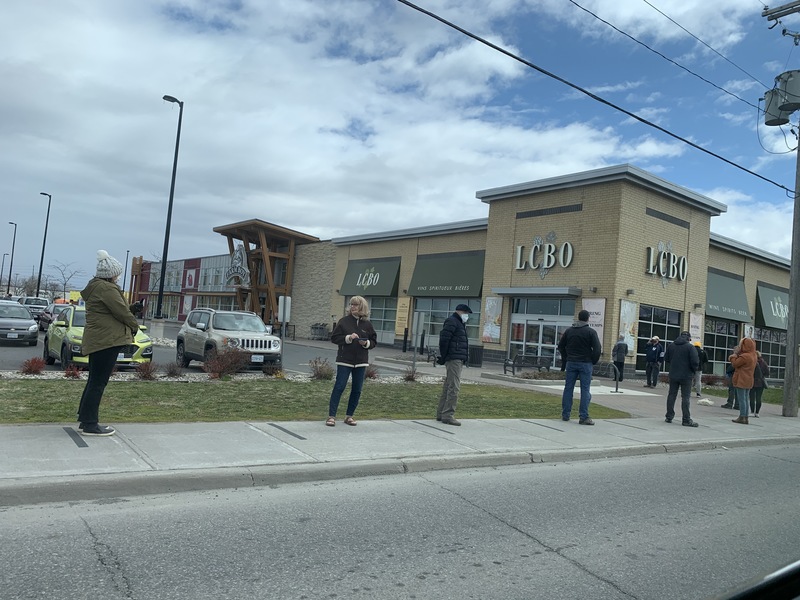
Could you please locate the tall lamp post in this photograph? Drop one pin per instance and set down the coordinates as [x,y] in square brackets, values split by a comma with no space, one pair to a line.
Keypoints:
[44,241]
[3,267]
[125,276]
[11,264]
[160,301]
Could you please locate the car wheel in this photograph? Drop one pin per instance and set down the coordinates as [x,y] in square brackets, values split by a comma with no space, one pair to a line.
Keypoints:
[209,353]
[180,356]
[66,358]
[48,360]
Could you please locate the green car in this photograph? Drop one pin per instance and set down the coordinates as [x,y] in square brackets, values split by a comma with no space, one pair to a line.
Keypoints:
[64,338]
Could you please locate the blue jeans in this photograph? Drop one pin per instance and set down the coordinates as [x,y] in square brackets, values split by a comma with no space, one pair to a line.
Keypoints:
[742,396]
[342,375]
[575,371]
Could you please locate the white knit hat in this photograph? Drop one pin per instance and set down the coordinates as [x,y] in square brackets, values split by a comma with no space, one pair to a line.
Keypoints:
[108,267]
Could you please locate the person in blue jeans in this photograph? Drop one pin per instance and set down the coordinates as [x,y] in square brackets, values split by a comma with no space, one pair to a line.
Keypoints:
[582,349]
[354,335]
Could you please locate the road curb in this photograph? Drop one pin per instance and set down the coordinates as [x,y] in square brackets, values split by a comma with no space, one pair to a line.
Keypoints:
[77,488]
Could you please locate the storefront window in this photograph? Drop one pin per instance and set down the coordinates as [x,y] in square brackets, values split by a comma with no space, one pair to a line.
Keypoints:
[719,338]
[383,313]
[436,310]
[537,325]
[772,345]
[655,320]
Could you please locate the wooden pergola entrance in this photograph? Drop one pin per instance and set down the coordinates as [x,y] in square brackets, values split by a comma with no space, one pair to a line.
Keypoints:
[266,248]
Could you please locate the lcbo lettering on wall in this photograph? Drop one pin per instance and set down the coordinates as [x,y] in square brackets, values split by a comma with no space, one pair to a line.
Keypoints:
[779,309]
[543,255]
[663,262]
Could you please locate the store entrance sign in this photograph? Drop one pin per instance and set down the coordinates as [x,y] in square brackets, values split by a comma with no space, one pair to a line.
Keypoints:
[666,264]
[543,255]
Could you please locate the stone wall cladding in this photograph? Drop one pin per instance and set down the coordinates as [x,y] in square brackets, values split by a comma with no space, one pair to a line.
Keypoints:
[312,286]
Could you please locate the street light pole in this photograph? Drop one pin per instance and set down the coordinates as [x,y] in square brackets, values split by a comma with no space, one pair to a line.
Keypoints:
[44,241]
[3,267]
[125,272]
[11,264]
[160,301]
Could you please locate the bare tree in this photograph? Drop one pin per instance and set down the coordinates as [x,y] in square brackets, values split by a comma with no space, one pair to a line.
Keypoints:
[65,274]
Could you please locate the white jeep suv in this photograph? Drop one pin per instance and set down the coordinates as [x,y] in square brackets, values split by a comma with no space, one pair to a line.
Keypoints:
[207,331]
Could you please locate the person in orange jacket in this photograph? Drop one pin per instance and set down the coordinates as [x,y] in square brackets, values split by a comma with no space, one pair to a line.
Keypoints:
[744,361]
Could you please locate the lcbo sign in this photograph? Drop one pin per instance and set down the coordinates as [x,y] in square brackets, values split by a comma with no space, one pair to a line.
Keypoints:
[544,256]
[666,264]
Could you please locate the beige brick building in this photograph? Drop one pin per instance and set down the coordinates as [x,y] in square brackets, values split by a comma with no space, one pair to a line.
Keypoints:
[635,250]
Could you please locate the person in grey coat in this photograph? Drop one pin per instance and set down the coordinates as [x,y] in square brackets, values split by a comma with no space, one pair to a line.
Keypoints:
[683,363]
[618,354]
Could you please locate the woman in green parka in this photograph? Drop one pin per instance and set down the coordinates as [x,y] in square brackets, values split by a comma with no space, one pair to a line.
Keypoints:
[110,325]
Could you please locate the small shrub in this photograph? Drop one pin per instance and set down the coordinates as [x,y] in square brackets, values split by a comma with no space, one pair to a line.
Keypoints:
[146,370]
[372,372]
[226,363]
[543,375]
[714,380]
[72,372]
[321,369]
[174,370]
[272,370]
[33,366]
[410,374]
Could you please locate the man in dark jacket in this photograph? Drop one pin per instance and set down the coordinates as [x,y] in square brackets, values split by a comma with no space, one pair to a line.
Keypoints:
[683,363]
[654,360]
[581,346]
[453,353]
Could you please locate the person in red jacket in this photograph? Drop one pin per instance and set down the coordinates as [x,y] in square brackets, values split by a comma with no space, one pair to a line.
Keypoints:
[744,361]
[354,335]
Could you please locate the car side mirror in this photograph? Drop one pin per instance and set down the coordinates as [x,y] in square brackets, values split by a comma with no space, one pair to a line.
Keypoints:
[60,323]
[142,327]
[202,326]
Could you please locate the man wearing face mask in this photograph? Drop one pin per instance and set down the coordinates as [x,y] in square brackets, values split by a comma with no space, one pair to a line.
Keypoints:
[453,353]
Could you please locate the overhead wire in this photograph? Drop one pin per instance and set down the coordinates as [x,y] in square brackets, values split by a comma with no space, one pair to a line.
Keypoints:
[586,92]
[667,58]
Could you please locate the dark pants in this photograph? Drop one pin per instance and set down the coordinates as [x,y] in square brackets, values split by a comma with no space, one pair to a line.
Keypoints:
[620,367]
[343,373]
[651,370]
[685,386]
[101,365]
[755,399]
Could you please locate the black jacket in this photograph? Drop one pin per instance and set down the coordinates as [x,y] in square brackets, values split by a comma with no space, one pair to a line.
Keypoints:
[682,359]
[654,352]
[353,354]
[580,343]
[453,342]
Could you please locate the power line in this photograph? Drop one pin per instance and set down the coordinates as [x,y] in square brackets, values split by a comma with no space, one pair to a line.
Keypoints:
[667,58]
[722,56]
[586,92]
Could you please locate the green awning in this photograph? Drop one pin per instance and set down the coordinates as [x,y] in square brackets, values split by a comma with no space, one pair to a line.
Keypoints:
[453,274]
[726,297]
[371,277]
[772,308]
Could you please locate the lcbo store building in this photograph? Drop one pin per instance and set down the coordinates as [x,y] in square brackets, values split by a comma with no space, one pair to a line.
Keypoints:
[634,250]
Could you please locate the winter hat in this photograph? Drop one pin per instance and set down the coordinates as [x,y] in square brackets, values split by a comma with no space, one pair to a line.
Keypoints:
[108,267]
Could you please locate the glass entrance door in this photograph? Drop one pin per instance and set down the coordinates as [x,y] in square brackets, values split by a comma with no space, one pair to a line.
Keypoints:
[537,338]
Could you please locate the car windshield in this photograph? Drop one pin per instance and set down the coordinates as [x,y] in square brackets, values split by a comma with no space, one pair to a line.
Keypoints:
[9,311]
[36,301]
[239,322]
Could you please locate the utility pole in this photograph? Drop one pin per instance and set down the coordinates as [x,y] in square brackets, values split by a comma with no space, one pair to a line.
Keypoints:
[790,381]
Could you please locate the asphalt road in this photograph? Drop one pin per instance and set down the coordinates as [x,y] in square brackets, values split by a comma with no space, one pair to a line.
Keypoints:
[684,525]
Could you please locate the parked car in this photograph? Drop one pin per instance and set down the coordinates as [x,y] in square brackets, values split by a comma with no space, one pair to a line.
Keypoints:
[34,304]
[207,331]
[64,338]
[48,315]
[17,324]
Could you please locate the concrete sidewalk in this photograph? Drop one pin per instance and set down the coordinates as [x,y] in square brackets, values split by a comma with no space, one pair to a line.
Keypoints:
[47,463]
[53,463]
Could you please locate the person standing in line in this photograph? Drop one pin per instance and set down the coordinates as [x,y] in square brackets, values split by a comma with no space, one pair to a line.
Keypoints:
[683,363]
[582,348]
[744,363]
[731,402]
[702,357]
[760,374]
[618,354]
[110,325]
[354,335]
[654,358]
[453,353]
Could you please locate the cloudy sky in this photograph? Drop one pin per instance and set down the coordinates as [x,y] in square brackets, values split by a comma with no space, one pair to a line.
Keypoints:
[341,117]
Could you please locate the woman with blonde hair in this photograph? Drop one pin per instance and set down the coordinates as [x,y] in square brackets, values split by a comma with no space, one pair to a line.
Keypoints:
[354,335]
